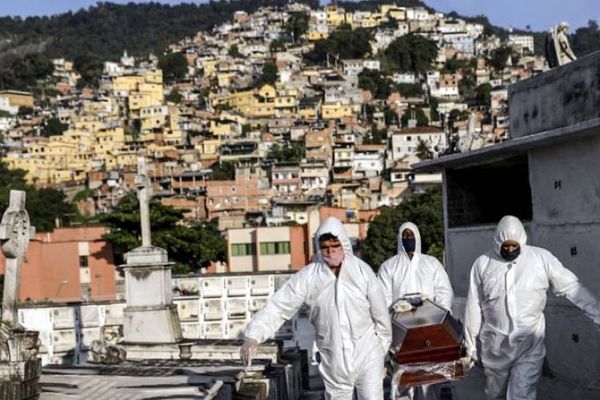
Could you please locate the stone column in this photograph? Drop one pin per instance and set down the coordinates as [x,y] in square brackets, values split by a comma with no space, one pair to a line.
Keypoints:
[150,315]
[20,368]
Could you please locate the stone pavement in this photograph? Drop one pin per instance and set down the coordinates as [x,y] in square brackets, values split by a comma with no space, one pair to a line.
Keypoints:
[471,388]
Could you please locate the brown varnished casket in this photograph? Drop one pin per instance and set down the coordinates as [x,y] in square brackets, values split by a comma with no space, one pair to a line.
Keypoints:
[429,337]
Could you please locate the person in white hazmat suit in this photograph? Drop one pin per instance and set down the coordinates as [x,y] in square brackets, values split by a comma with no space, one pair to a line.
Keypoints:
[347,309]
[409,272]
[505,304]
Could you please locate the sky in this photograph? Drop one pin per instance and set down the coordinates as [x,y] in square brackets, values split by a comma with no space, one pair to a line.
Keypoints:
[539,14]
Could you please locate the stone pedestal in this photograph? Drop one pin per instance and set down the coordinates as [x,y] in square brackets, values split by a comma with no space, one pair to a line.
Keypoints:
[20,369]
[150,316]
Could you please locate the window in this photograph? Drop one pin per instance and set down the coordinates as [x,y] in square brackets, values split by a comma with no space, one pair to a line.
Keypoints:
[267,248]
[83,261]
[243,249]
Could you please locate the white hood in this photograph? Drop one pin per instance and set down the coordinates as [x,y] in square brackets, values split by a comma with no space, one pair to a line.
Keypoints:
[509,228]
[333,226]
[412,227]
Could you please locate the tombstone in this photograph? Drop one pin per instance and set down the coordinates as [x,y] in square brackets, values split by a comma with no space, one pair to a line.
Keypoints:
[150,315]
[20,368]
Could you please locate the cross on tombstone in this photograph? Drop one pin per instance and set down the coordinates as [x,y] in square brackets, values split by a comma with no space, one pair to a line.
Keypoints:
[15,232]
[142,181]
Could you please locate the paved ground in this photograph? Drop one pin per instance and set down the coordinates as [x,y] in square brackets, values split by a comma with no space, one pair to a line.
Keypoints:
[471,388]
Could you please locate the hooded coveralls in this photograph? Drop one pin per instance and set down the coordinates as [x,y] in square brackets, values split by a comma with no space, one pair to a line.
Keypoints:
[401,275]
[353,330]
[423,274]
[505,308]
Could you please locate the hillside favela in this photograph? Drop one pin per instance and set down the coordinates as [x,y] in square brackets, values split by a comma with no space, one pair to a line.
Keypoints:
[273,200]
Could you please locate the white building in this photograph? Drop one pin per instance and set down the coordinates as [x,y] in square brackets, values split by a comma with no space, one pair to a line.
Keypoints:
[521,42]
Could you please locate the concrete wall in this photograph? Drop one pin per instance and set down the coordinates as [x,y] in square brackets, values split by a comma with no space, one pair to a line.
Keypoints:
[564,96]
[220,309]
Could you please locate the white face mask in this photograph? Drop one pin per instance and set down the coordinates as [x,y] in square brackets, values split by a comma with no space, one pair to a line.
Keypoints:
[335,258]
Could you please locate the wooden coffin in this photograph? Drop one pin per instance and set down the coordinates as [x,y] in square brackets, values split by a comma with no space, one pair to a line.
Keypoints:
[428,334]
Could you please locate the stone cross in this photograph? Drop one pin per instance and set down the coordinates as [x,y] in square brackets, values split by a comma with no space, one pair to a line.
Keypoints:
[142,181]
[15,232]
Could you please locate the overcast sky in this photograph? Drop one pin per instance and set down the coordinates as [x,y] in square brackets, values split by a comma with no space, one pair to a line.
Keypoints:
[539,14]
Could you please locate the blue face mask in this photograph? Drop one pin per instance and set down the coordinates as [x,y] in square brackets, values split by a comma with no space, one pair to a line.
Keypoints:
[409,245]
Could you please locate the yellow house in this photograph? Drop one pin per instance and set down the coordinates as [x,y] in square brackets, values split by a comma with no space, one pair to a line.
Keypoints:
[313,36]
[152,118]
[393,11]
[17,98]
[336,16]
[208,149]
[153,76]
[210,67]
[224,79]
[335,111]
[154,90]
[126,83]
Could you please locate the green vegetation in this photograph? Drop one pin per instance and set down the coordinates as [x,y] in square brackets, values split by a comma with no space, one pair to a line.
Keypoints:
[24,73]
[90,67]
[223,171]
[586,40]
[417,114]
[411,52]
[374,82]
[410,89]
[45,206]
[174,96]
[269,74]
[190,247]
[288,152]
[424,209]
[234,51]
[53,127]
[174,66]
[343,43]
[297,25]
[276,45]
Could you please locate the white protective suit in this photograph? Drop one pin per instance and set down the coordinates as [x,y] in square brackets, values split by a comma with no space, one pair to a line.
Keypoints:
[423,274]
[505,307]
[353,330]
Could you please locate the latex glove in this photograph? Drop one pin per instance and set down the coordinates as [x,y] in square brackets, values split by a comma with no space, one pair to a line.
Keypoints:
[248,351]
[467,363]
[402,306]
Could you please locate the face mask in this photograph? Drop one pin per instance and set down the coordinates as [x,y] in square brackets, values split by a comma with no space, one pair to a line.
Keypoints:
[335,258]
[510,255]
[409,245]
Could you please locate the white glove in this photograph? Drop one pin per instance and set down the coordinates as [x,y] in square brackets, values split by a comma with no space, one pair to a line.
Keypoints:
[248,351]
[467,363]
[402,306]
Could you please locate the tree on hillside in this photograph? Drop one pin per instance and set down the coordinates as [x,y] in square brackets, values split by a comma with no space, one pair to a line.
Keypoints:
[190,247]
[90,67]
[297,25]
[423,150]
[411,52]
[483,94]
[234,51]
[424,209]
[269,74]
[586,40]
[174,66]
[53,127]
[25,72]
[288,152]
[276,46]
[45,206]
[416,113]
[223,171]
[374,82]
[499,57]
[343,43]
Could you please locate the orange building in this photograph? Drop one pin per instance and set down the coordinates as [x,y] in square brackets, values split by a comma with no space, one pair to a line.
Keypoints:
[68,264]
